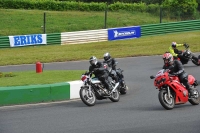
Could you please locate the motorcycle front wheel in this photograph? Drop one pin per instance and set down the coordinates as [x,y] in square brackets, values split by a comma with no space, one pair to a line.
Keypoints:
[115,96]
[88,98]
[196,99]
[166,101]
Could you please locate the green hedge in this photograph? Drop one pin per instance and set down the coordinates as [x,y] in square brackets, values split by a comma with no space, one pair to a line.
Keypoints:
[189,9]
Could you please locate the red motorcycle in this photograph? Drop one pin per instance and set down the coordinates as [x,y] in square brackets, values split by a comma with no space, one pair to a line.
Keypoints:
[172,92]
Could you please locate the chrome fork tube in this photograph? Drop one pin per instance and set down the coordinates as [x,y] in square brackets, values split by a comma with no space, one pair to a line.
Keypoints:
[90,91]
[168,91]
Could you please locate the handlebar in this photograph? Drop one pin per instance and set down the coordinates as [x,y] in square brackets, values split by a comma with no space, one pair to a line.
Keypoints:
[186,46]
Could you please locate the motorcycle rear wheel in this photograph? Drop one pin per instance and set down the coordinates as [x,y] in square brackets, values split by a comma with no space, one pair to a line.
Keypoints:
[167,103]
[89,100]
[196,100]
[195,60]
[115,96]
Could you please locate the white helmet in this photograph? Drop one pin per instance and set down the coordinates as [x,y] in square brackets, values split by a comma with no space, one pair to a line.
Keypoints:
[168,57]
[174,44]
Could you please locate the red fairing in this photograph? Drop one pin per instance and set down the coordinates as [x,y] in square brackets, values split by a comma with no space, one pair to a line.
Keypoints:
[163,79]
[158,80]
[181,92]
[175,78]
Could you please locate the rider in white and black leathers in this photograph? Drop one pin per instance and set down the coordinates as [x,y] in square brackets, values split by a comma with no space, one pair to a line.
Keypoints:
[176,68]
[99,71]
[112,63]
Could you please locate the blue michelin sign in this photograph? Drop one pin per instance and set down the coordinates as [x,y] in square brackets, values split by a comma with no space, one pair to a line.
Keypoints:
[24,40]
[124,33]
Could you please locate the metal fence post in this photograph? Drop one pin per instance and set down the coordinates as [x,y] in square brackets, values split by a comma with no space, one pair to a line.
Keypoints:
[105,22]
[44,25]
[160,3]
[160,14]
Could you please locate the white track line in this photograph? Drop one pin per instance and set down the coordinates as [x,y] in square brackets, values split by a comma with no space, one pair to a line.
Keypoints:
[37,104]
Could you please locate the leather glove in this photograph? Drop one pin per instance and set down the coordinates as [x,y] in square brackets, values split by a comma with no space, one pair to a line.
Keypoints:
[171,74]
[186,45]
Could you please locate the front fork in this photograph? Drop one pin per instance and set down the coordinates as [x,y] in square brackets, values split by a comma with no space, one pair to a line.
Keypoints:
[89,91]
[168,92]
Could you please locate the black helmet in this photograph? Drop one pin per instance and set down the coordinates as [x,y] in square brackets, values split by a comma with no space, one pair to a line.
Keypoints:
[93,60]
[106,56]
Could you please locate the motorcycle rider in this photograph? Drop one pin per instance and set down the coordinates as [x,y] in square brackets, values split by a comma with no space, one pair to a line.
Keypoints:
[111,62]
[176,68]
[176,53]
[99,71]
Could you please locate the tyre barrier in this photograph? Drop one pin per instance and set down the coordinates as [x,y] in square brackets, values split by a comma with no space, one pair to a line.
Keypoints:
[15,95]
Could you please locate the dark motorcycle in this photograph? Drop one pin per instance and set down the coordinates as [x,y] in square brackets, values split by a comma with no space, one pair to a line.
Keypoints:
[187,55]
[122,86]
[93,89]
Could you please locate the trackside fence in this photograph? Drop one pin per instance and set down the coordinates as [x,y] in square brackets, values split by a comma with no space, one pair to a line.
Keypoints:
[172,27]
[54,39]
[4,42]
[84,36]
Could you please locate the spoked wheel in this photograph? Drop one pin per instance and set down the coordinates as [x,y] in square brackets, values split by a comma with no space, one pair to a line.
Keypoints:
[88,98]
[166,101]
[115,96]
[196,99]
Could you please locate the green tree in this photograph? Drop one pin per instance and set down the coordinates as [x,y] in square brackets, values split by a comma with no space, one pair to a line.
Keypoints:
[181,8]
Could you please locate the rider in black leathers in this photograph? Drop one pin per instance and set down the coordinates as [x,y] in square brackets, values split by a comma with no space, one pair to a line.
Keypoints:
[100,72]
[113,63]
[176,68]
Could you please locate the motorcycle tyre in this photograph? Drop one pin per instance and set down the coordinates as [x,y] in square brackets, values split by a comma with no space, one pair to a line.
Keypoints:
[195,62]
[162,101]
[115,99]
[84,100]
[195,101]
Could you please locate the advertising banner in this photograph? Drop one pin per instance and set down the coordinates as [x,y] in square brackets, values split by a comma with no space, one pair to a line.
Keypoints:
[124,33]
[26,40]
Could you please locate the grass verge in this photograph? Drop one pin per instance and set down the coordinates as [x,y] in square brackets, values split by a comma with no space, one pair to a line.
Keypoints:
[46,77]
[152,45]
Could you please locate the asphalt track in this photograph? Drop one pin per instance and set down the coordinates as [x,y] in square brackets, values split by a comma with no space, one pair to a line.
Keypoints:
[139,111]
